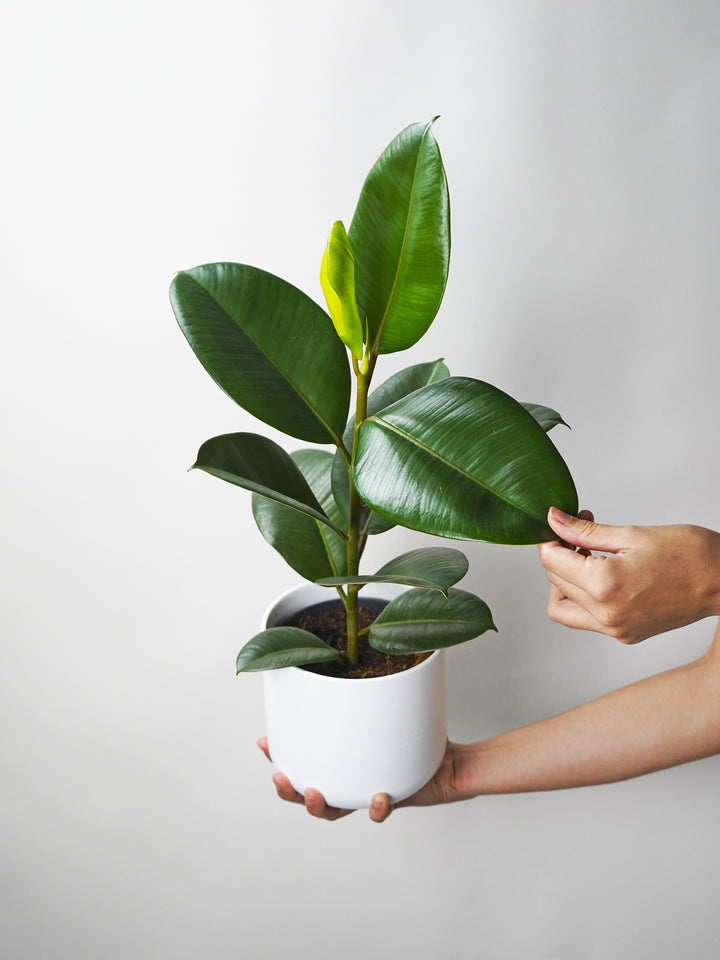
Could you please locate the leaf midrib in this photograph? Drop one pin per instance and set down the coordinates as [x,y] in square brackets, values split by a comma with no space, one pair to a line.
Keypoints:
[452,466]
[403,246]
[270,361]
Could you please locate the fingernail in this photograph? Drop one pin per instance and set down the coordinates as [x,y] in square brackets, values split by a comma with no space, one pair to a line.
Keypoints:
[560,516]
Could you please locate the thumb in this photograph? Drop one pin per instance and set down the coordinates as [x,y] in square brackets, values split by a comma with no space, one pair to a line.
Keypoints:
[584,533]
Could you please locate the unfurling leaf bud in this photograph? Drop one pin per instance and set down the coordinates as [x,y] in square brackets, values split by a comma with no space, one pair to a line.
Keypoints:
[337,279]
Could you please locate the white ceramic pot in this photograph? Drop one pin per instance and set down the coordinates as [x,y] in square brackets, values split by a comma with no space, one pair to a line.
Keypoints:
[353,738]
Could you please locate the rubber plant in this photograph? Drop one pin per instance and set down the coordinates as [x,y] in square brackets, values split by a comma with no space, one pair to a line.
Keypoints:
[449,456]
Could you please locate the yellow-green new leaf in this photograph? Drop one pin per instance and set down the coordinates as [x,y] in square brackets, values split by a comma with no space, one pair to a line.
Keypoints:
[337,279]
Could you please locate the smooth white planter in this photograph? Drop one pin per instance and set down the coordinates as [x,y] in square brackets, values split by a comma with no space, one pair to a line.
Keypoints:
[353,738]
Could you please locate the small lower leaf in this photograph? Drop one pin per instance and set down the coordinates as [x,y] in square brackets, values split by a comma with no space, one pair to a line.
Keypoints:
[421,620]
[435,568]
[279,647]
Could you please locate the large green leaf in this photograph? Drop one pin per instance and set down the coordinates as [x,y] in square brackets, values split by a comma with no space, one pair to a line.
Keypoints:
[309,547]
[280,647]
[262,466]
[436,568]
[396,387]
[400,238]
[420,620]
[462,459]
[269,346]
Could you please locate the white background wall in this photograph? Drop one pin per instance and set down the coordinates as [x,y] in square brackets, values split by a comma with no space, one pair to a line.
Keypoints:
[582,146]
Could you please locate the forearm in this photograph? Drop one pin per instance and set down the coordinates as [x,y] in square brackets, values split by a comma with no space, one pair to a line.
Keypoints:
[665,720]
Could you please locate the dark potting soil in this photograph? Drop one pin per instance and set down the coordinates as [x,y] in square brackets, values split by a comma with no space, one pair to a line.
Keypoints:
[327,621]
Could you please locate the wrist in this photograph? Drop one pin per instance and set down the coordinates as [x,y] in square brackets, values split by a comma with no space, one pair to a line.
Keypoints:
[712,567]
[476,770]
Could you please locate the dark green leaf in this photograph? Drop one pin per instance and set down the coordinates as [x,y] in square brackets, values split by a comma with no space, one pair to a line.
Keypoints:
[436,568]
[269,346]
[462,459]
[400,238]
[262,466]
[309,547]
[545,416]
[280,647]
[420,620]
[393,389]
[405,382]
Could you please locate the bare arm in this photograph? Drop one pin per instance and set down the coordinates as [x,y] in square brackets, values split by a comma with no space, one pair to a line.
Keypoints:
[648,580]
[658,722]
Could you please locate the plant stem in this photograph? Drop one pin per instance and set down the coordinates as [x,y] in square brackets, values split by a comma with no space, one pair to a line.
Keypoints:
[355,516]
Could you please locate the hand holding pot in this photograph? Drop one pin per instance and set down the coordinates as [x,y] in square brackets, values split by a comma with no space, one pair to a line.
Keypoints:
[444,787]
[627,733]
[648,580]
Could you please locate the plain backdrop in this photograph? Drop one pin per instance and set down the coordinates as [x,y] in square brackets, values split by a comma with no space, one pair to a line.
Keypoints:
[582,146]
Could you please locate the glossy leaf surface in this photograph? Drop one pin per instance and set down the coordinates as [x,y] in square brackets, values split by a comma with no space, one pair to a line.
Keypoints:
[545,416]
[280,647]
[400,238]
[264,341]
[436,568]
[393,389]
[421,620]
[462,459]
[311,548]
[262,466]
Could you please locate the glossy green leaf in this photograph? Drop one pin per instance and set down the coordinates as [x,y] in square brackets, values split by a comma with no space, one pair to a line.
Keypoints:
[400,238]
[421,620]
[436,568]
[545,416]
[309,547]
[280,647]
[462,459]
[405,382]
[266,343]
[262,466]
[393,389]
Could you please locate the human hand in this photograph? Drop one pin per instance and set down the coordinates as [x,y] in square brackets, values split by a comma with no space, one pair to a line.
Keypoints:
[444,787]
[653,579]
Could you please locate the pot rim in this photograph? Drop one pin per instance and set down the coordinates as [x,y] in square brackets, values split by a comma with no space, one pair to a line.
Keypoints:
[388,588]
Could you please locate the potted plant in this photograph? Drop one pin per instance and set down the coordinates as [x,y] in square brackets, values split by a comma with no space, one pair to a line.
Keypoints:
[448,456]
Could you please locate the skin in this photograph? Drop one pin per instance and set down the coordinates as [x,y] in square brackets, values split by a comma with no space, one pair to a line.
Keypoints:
[646,580]
[649,580]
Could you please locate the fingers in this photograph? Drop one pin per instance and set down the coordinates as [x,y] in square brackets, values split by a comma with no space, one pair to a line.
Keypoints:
[562,609]
[313,800]
[565,566]
[316,806]
[285,789]
[582,531]
[380,808]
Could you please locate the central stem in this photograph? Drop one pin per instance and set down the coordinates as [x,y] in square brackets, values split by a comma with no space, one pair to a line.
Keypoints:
[354,519]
